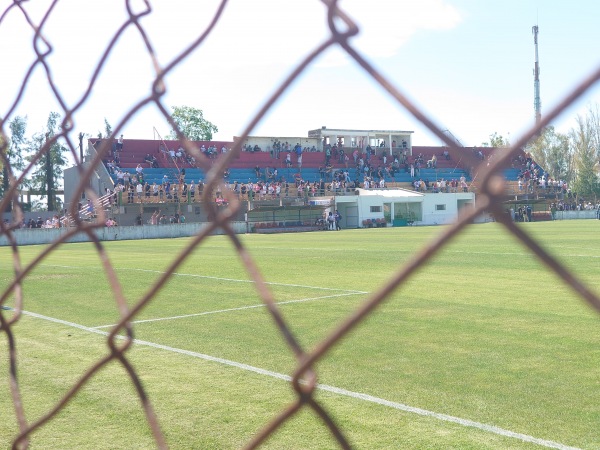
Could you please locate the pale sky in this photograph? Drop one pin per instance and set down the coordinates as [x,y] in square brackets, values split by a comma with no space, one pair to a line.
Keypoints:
[467,63]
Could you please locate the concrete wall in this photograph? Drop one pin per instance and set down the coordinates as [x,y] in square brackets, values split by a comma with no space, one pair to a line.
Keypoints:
[99,181]
[572,215]
[431,216]
[126,215]
[37,236]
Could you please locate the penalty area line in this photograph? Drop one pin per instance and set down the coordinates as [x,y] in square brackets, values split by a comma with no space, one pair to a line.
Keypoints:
[332,389]
[240,308]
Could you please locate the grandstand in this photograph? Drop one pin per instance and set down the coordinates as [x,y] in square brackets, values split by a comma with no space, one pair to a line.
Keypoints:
[293,187]
[242,168]
[294,182]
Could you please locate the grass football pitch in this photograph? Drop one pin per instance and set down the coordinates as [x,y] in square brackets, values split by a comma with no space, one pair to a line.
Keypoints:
[484,347]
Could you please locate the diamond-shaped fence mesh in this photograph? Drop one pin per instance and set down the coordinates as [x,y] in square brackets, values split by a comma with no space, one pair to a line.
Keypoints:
[342,29]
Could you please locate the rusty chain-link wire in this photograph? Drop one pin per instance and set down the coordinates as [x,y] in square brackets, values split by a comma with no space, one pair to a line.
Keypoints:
[342,29]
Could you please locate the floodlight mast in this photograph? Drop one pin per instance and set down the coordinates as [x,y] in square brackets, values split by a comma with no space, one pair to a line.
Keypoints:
[537,102]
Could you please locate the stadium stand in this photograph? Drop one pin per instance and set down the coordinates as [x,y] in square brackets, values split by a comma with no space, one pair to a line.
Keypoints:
[243,168]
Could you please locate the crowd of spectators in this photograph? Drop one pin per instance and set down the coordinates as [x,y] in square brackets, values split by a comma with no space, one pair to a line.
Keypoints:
[278,148]
[50,222]
[373,170]
[181,158]
[532,178]
[161,219]
[575,205]
[441,185]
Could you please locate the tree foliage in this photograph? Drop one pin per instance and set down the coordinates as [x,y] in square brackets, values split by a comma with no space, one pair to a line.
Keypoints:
[107,128]
[48,170]
[585,152]
[14,151]
[497,141]
[593,119]
[552,151]
[192,124]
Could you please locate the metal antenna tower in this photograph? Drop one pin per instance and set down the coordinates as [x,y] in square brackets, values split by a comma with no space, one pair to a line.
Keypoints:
[537,102]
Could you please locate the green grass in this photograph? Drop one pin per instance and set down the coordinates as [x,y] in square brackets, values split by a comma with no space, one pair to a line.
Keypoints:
[484,333]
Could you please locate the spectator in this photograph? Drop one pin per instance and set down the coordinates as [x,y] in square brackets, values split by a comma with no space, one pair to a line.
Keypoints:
[126,178]
[337,217]
[179,154]
[130,193]
[330,221]
[192,189]
[298,150]
[90,209]
[432,163]
[154,217]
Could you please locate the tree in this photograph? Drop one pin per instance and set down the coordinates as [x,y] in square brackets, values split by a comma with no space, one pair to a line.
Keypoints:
[551,150]
[107,130]
[585,157]
[48,171]
[13,150]
[594,127]
[496,141]
[192,124]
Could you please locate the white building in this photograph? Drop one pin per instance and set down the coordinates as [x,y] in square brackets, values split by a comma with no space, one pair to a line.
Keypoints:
[387,139]
[400,207]
[390,140]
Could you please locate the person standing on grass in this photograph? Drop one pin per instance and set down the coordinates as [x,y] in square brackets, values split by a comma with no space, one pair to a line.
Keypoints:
[337,217]
[330,221]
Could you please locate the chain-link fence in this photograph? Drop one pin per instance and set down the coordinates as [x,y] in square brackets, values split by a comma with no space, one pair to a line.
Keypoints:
[342,29]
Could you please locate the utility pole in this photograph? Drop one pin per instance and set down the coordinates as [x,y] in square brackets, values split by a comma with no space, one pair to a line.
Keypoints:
[81,148]
[537,102]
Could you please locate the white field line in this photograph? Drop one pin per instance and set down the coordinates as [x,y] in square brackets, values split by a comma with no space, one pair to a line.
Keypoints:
[355,395]
[452,251]
[566,255]
[350,291]
[241,308]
